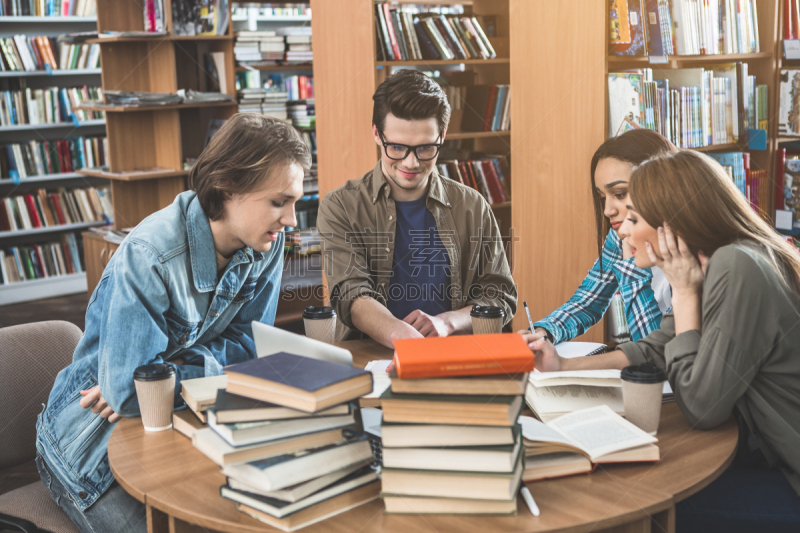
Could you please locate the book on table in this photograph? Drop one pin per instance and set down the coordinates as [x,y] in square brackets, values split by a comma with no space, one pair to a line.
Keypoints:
[502,384]
[405,504]
[454,484]
[451,409]
[394,435]
[301,490]
[292,468]
[244,433]
[201,393]
[597,433]
[318,512]
[230,409]
[280,508]
[462,459]
[222,453]
[186,422]
[298,382]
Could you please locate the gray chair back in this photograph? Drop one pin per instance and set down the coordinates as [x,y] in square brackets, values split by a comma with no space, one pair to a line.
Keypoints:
[31,355]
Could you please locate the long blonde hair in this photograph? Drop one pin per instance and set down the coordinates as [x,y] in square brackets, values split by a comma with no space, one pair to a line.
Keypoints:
[696,197]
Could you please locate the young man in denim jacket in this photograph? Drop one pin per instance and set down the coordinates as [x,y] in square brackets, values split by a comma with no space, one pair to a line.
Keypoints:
[182,288]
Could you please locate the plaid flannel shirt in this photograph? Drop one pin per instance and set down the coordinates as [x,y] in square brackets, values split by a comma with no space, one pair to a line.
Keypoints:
[589,303]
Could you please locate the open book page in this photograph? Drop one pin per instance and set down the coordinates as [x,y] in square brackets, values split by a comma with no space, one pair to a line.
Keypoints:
[535,431]
[600,431]
[380,378]
[569,398]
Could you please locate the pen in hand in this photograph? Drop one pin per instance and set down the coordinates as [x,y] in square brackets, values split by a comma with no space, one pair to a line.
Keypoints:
[528,312]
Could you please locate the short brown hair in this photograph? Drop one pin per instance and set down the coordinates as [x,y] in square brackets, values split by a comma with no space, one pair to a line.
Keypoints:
[240,155]
[410,95]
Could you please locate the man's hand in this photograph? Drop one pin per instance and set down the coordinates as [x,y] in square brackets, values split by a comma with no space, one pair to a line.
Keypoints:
[547,359]
[401,330]
[427,325]
[92,398]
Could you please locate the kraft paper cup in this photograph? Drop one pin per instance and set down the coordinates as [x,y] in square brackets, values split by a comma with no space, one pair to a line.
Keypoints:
[320,323]
[642,386]
[155,390]
[487,319]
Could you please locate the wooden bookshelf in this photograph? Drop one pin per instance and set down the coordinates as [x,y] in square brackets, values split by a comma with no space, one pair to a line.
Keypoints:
[274,67]
[159,136]
[439,62]
[135,109]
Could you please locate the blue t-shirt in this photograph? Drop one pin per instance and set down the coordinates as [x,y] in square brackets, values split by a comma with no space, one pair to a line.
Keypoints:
[421,267]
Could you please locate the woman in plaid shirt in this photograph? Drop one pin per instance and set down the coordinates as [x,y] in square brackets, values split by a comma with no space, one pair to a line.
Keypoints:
[645,292]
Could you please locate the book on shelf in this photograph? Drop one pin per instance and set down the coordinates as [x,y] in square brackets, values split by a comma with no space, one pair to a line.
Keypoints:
[683,27]
[298,382]
[41,158]
[404,33]
[462,355]
[788,184]
[597,433]
[39,261]
[316,513]
[51,8]
[484,175]
[38,53]
[295,467]
[281,508]
[450,409]
[189,17]
[692,107]
[47,106]
[271,11]
[44,209]
[442,483]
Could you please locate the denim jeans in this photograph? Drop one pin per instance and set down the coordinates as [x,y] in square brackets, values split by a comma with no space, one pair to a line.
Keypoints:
[742,500]
[115,510]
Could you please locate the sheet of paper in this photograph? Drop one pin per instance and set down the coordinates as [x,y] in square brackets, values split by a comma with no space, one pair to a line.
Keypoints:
[537,431]
[600,431]
[380,378]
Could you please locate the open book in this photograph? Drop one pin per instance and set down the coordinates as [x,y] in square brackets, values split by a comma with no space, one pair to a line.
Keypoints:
[597,433]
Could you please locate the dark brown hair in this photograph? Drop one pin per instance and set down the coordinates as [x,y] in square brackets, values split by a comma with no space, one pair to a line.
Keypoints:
[696,197]
[244,152]
[634,147]
[410,95]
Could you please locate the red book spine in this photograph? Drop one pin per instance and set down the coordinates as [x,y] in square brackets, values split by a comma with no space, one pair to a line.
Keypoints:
[787,19]
[487,118]
[59,211]
[32,213]
[392,36]
[493,182]
[67,258]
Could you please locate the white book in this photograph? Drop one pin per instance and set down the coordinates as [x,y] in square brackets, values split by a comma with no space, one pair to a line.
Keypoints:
[3,267]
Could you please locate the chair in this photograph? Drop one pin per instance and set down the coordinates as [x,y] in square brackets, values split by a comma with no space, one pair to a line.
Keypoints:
[31,355]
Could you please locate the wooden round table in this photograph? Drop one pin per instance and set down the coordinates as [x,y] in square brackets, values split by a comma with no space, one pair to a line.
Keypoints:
[180,485]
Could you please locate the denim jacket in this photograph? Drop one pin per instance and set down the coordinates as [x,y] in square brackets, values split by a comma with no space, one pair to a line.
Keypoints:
[159,299]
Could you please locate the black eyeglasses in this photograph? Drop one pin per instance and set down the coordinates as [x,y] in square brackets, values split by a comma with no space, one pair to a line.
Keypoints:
[398,152]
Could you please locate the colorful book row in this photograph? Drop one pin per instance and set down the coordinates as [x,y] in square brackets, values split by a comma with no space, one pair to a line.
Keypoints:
[38,261]
[47,106]
[484,175]
[40,158]
[38,52]
[48,8]
[404,36]
[44,209]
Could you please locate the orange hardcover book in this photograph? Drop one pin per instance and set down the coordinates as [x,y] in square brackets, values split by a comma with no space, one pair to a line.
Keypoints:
[462,355]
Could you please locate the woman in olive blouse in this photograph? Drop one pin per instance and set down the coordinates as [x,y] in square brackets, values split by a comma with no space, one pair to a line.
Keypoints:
[732,343]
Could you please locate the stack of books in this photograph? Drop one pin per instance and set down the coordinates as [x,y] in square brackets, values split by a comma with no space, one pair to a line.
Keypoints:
[283,431]
[451,441]
[692,107]
[298,44]
[301,112]
[257,46]
[405,34]
[264,101]
[39,158]
[485,176]
[38,261]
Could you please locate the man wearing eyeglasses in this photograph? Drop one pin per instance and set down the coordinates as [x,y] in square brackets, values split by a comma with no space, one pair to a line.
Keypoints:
[408,252]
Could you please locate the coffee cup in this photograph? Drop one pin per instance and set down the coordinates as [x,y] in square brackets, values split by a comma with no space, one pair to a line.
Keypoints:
[320,323]
[487,319]
[642,386]
[155,390]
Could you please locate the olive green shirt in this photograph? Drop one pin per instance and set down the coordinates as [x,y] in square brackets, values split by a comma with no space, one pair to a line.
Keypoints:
[357,224]
[747,354]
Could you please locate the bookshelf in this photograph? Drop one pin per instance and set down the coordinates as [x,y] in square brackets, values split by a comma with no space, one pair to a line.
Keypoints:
[347,73]
[17,134]
[166,138]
